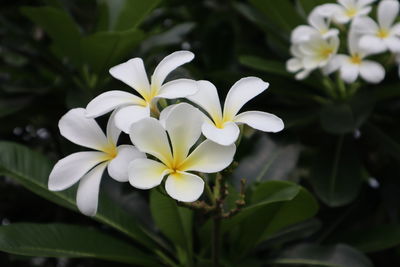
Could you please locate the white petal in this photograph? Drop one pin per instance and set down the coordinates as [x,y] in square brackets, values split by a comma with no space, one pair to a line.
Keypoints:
[311,62]
[168,64]
[209,157]
[395,30]
[302,33]
[349,72]
[330,33]
[223,136]
[146,173]
[82,131]
[109,101]
[240,93]
[328,10]
[371,71]
[183,125]
[185,187]
[87,196]
[302,74]
[340,16]
[262,121]
[118,167]
[294,65]
[165,113]
[149,136]
[364,11]
[347,3]
[372,44]
[126,116]
[387,13]
[207,98]
[333,64]
[393,43]
[362,3]
[70,169]
[365,25]
[178,88]
[112,131]
[133,73]
[317,20]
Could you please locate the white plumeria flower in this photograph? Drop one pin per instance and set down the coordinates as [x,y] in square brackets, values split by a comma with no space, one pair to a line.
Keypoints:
[295,64]
[183,125]
[319,25]
[131,108]
[222,127]
[354,65]
[346,10]
[318,51]
[378,37]
[88,167]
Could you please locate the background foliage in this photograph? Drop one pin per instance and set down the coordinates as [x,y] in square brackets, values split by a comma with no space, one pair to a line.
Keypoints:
[338,157]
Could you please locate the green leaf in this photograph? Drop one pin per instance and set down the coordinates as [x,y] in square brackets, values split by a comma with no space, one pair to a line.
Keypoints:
[337,173]
[32,170]
[273,216]
[102,50]
[308,5]
[173,221]
[61,28]
[332,256]
[266,159]
[269,66]
[375,238]
[71,241]
[282,13]
[388,143]
[127,14]
[346,117]
[9,106]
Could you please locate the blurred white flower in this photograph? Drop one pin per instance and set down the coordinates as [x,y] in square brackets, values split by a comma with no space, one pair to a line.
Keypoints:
[221,127]
[318,51]
[353,65]
[295,64]
[131,108]
[182,130]
[319,25]
[378,37]
[88,167]
[346,10]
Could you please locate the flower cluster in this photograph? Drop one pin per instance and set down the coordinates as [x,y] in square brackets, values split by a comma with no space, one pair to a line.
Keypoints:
[178,143]
[317,45]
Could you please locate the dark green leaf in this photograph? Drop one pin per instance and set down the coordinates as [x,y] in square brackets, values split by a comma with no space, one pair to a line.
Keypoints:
[127,14]
[72,241]
[346,117]
[274,216]
[32,170]
[374,239]
[314,255]
[308,5]
[60,27]
[102,50]
[282,13]
[388,143]
[173,221]
[11,105]
[269,66]
[337,173]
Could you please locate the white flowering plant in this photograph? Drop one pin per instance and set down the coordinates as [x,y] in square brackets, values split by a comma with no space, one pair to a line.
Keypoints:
[161,158]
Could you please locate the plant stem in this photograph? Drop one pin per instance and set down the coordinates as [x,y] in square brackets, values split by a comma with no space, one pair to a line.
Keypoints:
[216,239]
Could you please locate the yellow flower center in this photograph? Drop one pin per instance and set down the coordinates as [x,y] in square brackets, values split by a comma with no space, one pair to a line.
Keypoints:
[382,33]
[110,152]
[355,59]
[326,52]
[351,12]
